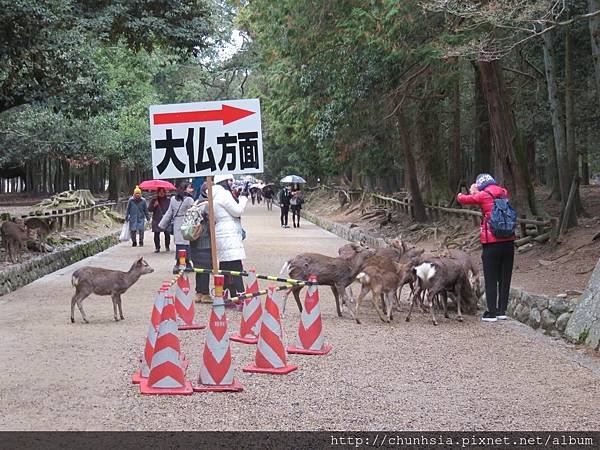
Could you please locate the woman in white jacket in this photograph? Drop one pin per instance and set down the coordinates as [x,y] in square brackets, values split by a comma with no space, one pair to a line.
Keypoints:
[228,230]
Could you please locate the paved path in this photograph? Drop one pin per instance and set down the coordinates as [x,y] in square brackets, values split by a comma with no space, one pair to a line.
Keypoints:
[471,376]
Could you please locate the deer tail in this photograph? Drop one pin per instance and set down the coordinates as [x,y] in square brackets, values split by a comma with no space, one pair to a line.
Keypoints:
[75,280]
[363,278]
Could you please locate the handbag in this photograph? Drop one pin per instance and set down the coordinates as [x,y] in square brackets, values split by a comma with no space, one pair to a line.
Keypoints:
[193,222]
[171,227]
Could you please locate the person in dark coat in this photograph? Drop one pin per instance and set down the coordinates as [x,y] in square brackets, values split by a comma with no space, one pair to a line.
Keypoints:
[498,253]
[296,205]
[136,212]
[284,203]
[158,207]
[201,252]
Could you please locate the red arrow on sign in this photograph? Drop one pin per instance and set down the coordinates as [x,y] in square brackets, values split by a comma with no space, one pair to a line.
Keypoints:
[227,114]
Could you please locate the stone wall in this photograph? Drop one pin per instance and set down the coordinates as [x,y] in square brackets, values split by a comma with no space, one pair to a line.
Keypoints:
[343,231]
[19,275]
[548,314]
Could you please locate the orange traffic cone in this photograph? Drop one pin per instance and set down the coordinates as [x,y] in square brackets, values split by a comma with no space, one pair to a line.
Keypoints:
[270,354]
[167,375]
[216,373]
[146,358]
[250,325]
[184,305]
[310,330]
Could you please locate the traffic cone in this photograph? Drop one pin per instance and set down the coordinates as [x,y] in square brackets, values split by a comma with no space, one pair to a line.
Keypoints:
[184,305]
[216,373]
[167,375]
[310,330]
[250,325]
[146,359]
[270,354]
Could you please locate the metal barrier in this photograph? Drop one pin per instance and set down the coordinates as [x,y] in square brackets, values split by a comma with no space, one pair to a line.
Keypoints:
[245,274]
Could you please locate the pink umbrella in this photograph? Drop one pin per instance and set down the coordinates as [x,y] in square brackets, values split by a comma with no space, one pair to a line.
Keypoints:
[155,185]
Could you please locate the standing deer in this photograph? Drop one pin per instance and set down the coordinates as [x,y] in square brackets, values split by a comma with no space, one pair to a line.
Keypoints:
[14,237]
[96,280]
[42,228]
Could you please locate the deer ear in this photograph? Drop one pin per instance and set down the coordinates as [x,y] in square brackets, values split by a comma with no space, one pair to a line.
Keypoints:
[140,261]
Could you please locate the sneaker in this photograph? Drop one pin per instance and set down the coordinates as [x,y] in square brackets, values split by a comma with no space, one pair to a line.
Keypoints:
[157,250]
[175,269]
[501,316]
[134,244]
[167,249]
[487,317]
[141,243]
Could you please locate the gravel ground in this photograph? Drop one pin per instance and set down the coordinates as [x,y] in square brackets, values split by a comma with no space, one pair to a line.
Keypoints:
[404,376]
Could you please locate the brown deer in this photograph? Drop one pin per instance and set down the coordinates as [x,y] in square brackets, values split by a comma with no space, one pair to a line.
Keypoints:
[96,280]
[338,273]
[14,238]
[42,228]
[382,282]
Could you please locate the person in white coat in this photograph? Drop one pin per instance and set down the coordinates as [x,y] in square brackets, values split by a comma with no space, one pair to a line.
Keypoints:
[229,233]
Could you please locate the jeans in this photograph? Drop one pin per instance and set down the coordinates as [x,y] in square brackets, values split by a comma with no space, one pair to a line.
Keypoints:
[134,233]
[284,215]
[296,215]
[497,261]
[157,240]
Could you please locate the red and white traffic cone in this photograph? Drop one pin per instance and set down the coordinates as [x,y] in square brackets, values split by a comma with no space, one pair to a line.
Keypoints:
[146,358]
[167,375]
[184,304]
[250,325]
[310,339]
[270,354]
[216,373]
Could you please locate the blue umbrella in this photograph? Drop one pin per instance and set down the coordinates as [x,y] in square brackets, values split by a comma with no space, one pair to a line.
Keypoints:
[294,179]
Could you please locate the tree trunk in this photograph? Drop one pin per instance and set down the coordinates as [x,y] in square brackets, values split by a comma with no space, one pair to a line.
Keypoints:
[429,164]
[570,120]
[594,5]
[454,160]
[562,157]
[115,174]
[585,167]
[508,145]
[552,170]
[418,207]
[483,142]
[530,149]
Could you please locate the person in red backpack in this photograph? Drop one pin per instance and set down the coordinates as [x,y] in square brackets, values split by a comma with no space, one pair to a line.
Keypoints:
[498,253]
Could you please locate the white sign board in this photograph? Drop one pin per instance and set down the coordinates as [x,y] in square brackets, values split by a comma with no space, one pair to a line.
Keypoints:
[205,139]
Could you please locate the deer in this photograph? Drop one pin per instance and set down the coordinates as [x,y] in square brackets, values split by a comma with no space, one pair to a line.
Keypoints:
[42,227]
[441,276]
[336,272]
[99,281]
[14,237]
[383,282]
[466,261]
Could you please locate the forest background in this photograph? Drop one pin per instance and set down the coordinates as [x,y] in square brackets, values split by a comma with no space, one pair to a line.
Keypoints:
[377,95]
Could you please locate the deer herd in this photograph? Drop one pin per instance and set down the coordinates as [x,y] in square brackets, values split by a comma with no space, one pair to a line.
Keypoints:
[383,272]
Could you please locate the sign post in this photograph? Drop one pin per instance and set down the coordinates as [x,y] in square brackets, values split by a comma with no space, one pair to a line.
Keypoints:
[206,139]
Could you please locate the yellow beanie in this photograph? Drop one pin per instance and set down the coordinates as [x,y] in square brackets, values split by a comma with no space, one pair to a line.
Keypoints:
[137,190]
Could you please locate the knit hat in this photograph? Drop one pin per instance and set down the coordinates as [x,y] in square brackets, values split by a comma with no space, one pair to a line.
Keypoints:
[483,180]
[137,190]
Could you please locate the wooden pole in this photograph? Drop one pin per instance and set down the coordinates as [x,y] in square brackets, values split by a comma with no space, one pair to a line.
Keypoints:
[568,206]
[211,221]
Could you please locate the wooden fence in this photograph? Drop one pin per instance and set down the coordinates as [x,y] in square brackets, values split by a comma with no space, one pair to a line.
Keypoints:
[71,217]
[529,229]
